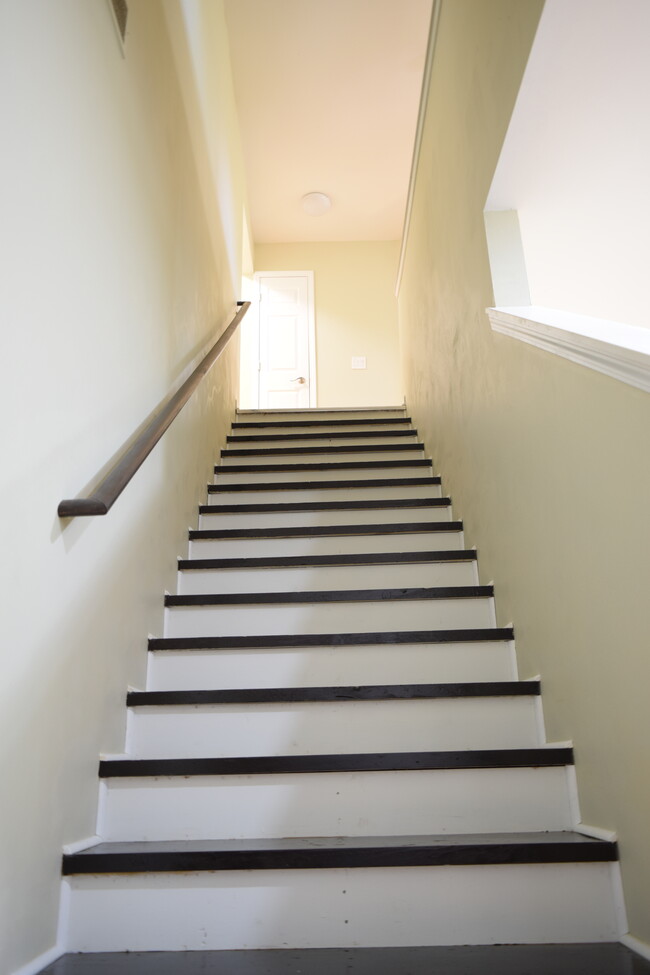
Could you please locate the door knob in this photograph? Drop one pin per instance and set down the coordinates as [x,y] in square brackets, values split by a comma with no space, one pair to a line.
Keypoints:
[299,379]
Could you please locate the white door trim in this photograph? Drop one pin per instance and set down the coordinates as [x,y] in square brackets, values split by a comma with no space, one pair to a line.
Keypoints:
[313,393]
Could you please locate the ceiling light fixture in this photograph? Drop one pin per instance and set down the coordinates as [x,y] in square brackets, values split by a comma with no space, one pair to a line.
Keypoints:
[316,203]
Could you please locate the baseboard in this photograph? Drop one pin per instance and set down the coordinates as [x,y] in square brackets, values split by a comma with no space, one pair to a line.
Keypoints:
[636,945]
[41,961]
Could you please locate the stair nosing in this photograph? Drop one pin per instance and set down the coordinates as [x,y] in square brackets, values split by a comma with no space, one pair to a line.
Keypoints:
[362,421]
[327,531]
[375,851]
[331,596]
[431,761]
[372,482]
[291,506]
[337,449]
[337,694]
[294,640]
[351,465]
[332,435]
[301,561]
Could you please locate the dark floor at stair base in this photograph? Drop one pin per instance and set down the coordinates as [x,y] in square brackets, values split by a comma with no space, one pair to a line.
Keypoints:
[596,959]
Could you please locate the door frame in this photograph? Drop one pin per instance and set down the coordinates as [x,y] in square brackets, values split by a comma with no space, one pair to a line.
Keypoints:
[311,326]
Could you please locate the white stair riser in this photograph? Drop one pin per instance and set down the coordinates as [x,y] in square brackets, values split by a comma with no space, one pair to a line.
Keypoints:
[329,666]
[258,443]
[367,492]
[356,617]
[332,728]
[254,416]
[363,474]
[539,903]
[320,458]
[320,413]
[302,519]
[407,803]
[241,548]
[327,577]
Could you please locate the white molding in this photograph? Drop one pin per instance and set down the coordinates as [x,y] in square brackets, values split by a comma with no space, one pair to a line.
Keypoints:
[41,961]
[596,832]
[311,314]
[635,944]
[419,131]
[574,798]
[63,922]
[619,898]
[617,350]
[70,848]
[313,375]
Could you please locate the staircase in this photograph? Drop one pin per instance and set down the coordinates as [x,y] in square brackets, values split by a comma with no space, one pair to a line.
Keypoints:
[334,750]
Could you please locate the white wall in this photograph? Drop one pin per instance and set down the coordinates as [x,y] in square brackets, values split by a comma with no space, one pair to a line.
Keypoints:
[115,276]
[576,159]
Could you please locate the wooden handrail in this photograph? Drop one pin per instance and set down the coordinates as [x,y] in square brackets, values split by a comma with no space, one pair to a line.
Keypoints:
[110,487]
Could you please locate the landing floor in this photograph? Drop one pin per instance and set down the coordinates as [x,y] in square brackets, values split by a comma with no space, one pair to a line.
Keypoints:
[597,959]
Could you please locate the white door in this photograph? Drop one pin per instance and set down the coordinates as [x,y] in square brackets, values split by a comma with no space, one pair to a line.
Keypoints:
[286,375]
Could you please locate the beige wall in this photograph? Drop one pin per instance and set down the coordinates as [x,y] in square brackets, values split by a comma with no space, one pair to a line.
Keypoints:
[547,461]
[356,314]
[113,282]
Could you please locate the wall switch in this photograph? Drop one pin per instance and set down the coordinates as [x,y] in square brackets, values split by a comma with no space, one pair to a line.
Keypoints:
[358,362]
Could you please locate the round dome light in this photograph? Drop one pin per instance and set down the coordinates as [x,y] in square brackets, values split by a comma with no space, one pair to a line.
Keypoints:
[316,203]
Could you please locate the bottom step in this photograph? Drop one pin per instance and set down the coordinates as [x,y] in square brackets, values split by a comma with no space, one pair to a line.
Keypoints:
[342,907]
[582,959]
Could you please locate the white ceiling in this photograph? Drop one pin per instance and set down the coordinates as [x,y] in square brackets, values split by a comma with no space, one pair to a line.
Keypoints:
[327,93]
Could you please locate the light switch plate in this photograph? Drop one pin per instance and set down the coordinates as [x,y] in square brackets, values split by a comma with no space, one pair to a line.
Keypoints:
[358,362]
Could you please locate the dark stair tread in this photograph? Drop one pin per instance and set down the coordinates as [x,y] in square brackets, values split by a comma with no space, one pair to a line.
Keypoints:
[569,959]
[290,506]
[332,852]
[373,692]
[487,758]
[344,422]
[314,531]
[322,435]
[336,449]
[296,561]
[373,482]
[332,596]
[476,635]
[346,465]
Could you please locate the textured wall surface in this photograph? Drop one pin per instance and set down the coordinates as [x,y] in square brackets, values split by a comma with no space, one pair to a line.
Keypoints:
[113,284]
[546,461]
[356,315]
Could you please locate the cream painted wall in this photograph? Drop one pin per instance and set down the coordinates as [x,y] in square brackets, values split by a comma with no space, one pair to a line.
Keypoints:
[113,283]
[356,314]
[547,461]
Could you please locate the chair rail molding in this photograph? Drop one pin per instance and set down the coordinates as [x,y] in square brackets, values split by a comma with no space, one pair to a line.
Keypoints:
[617,350]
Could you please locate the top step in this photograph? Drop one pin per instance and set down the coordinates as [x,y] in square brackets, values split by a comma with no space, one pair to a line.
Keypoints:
[372,412]
[323,422]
